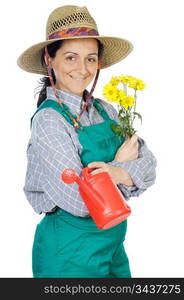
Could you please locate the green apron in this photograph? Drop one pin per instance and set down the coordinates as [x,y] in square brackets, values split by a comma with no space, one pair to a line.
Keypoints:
[69,246]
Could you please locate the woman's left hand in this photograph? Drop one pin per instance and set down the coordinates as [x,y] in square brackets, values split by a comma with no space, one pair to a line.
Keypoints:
[118,174]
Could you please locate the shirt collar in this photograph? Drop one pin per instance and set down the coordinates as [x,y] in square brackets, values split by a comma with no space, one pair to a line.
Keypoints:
[74,102]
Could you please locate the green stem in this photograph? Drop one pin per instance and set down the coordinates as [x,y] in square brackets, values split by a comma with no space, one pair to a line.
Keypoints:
[125,88]
[135,96]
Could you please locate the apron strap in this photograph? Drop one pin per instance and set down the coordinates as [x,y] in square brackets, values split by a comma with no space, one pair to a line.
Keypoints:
[56,106]
[62,110]
[100,109]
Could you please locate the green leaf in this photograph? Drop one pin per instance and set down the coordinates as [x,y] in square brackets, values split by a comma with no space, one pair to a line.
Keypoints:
[120,131]
[139,116]
[121,111]
[116,128]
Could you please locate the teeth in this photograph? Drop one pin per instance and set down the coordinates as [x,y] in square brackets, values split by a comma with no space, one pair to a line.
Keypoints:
[78,79]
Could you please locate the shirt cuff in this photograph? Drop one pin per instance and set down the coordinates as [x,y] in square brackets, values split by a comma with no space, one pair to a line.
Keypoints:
[136,176]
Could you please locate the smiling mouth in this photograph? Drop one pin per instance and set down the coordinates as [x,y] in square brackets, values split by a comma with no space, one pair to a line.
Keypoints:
[78,79]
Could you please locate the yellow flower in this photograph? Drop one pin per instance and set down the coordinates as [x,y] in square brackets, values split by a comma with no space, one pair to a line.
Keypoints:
[117,90]
[121,94]
[118,96]
[110,92]
[113,94]
[114,81]
[127,102]
[126,79]
[132,82]
[137,84]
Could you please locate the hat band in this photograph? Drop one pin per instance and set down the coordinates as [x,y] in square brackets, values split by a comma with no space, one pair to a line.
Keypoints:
[79,31]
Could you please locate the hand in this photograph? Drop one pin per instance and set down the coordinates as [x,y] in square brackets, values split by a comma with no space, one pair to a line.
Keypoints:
[129,150]
[118,174]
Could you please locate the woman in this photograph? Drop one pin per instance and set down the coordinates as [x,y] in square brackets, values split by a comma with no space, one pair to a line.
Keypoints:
[69,130]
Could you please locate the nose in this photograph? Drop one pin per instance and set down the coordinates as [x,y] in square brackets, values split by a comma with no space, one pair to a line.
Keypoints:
[82,67]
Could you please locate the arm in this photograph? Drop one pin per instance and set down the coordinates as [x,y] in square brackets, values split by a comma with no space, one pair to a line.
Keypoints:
[141,170]
[132,176]
[55,151]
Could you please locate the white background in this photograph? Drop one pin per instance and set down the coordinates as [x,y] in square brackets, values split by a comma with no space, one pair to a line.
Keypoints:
[154,240]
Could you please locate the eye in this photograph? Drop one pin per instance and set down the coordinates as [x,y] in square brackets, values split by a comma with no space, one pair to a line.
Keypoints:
[92,59]
[70,58]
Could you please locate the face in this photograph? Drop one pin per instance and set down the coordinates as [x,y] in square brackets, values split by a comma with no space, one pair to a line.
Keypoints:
[75,65]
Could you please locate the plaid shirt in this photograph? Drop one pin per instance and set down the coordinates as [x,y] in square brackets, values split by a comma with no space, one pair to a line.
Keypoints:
[54,146]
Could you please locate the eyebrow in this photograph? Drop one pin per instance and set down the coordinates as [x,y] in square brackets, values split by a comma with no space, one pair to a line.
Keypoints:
[77,53]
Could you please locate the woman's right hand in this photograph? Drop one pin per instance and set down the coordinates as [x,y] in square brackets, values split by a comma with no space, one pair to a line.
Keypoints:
[128,150]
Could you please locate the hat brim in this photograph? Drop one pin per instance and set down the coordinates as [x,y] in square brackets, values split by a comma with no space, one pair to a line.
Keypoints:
[115,50]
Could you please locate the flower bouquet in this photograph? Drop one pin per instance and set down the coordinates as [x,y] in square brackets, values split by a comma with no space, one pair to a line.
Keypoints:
[119,90]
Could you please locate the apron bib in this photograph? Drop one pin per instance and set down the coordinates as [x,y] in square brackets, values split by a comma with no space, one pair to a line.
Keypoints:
[98,141]
[70,246]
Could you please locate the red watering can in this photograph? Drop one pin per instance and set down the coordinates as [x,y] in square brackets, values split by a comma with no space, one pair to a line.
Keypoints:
[102,197]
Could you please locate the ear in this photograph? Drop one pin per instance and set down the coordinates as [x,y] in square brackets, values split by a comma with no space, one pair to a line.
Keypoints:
[47,60]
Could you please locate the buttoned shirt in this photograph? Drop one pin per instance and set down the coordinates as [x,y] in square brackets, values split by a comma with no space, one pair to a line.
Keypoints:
[54,146]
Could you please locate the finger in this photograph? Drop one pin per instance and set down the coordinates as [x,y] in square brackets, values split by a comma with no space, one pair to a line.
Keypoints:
[127,139]
[100,170]
[134,138]
[125,142]
[96,164]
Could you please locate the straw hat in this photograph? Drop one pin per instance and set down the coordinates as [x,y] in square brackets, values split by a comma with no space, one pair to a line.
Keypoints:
[71,22]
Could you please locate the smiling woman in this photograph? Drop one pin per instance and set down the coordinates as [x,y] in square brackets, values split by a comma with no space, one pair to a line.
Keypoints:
[75,65]
[72,129]
[70,57]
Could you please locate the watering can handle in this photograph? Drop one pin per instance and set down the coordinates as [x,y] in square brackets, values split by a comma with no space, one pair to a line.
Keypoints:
[86,172]
[88,190]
